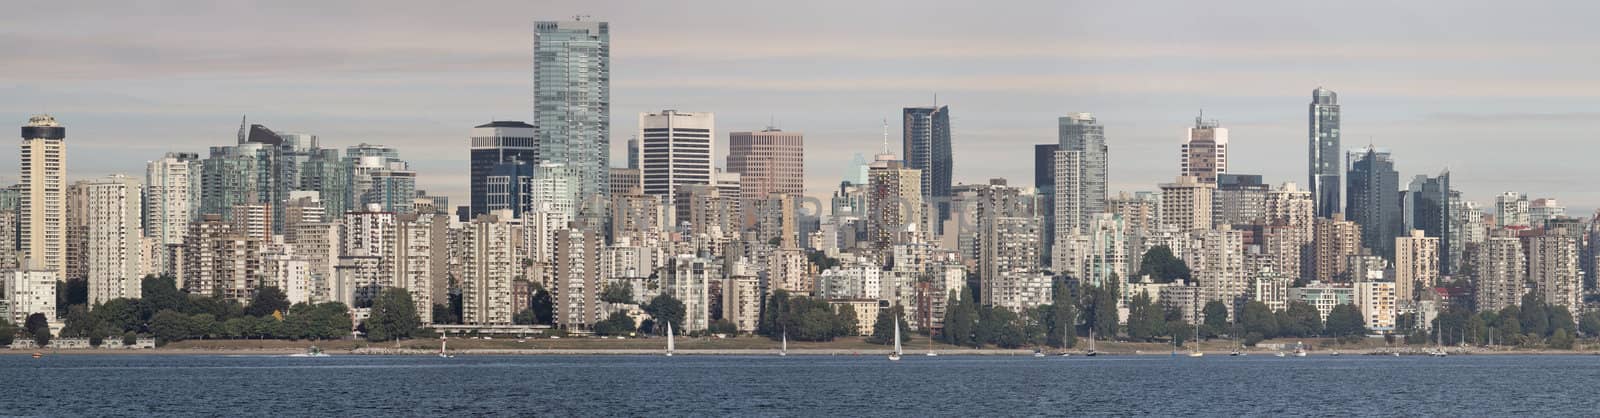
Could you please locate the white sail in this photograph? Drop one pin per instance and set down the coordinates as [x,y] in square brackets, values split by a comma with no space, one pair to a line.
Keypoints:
[669,338]
[786,342]
[897,336]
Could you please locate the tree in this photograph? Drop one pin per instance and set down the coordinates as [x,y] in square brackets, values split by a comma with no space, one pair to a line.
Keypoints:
[1258,321]
[1561,340]
[1303,320]
[169,326]
[666,310]
[525,317]
[1510,326]
[1535,320]
[1180,330]
[69,293]
[961,320]
[1590,324]
[120,314]
[1063,332]
[845,321]
[35,322]
[394,316]
[1162,266]
[1100,309]
[883,328]
[162,293]
[617,324]
[773,311]
[78,322]
[266,301]
[1561,319]
[1145,321]
[8,332]
[617,293]
[543,306]
[1216,320]
[1345,321]
[722,326]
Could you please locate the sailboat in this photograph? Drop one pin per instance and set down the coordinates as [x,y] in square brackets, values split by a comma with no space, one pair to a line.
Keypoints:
[895,356]
[669,339]
[443,347]
[1195,351]
[1299,349]
[785,350]
[1091,352]
[930,345]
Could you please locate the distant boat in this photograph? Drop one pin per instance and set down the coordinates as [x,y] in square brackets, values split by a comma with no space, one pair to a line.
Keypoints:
[785,350]
[895,356]
[37,354]
[669,339]
[930,345]
[1037,353]
[313,351]
[1195,351]
[1091,352]
[1299,349]
[443,347]
[1280,354]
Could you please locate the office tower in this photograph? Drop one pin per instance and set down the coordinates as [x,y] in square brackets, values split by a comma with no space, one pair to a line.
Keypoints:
[1500,272]
[775,219]
[1186,204]
[1334,240]
[1553,267]
[626,180]
[1542,210]
[1324,151]
[43,183]
[488,266]
[678,150]
[502,187]
[1044,180]
[115,263]
[378,176]
[633,154]
[1374,199]
[926,147]
[235,175]
[1426,206]
[1205,151]
[767,162]
[894,204]
[1082,186]
[637,218]
[552,188]
[576,279]
[572,99]
[1416,264]
[1239,199]
[1511,209]
[731,185]
[172,199]
[496,143]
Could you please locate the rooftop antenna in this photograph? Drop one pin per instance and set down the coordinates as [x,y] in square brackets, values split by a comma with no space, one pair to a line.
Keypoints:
[580,18]
[885,135]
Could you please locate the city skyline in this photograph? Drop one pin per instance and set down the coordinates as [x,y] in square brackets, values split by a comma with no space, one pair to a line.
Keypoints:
[422,93]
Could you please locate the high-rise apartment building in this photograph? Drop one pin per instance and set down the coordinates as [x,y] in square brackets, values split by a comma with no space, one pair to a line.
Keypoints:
[1416,264]
[115,237]
[1239,199]
[43,222]
[1335,240]
[577,282]
[926,147]
[1374,199]
[1543,210]
[1511,209]
[1205,151]
[172,199]
[1553,267]
[489,264]
[1186,204]
[493,144]
[572,99]
[894,204]
[678,149]
[1500,272]
[1324,150]
[1083,185]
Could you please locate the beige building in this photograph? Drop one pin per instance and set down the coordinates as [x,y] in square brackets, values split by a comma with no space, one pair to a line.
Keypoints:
[113,209]
[488,266]
[677,149]
[1205,151]
[894,208]
[172,197]
[741,302]
[30,291]
[1335,240]
[221,260]
[43,181]
[1500,270]
[688,279]
[577,283]
[1553,268]
[1216,258]
[1186,204]
[866,312]
[769,161]
[1377,302]
[1416,264]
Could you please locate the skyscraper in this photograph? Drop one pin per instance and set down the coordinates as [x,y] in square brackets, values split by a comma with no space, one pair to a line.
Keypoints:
[115,264]
[926,147]
[572,99]
[677,150]
[1186,204]
[1044,179]
[1374,200]
[1324,151]
[1416,264]
[1426,206]
[1082,133]
[1205,151]
[494,143]
[44,184]
[769,161]
[894,204]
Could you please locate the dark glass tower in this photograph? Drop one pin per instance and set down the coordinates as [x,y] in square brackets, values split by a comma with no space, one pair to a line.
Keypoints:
[1044,179]
[1374,200]
[1324,149]
[494,143]
[1427,207]
[926,147]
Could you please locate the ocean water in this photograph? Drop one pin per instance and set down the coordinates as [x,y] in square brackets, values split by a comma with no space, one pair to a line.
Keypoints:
[171,385]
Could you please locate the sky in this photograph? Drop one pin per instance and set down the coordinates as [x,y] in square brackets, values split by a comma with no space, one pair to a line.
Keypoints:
[1506,98]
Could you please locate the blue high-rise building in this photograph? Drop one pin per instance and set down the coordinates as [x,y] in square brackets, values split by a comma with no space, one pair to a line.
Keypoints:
[1374,200]
[572,99]
[1324,151]
[926,147]
[496,143]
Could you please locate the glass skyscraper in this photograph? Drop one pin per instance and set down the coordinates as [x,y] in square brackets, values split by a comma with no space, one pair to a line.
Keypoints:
[1324,149]
[572,99]
[926,147]
[1374,200]
[1082,133]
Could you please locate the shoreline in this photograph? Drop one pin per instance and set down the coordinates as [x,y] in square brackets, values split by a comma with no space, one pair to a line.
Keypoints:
[809,352]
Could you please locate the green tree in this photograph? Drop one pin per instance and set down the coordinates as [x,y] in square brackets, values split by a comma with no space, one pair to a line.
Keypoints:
[162,293]
[525,317]
[1063,331]
[543,305]
[1561,319]
[1535,319]
[1345,321]
[1162,266]
[617,293]
[1510,326]
[120,314]
[961,322]
[883,327]
[69,293]
[130,338]
[393,317]
[1303,320]
[1258,320]
[1100,309]
[169,326]
[723,326]
[845,321]
[1590,324]
[8,332]
[35,322]
[773,314]
[1216,319]
[617,324]
[1180,330]
[1144,319]
[1561,340]
[666,310]
[78,322]
[267,300]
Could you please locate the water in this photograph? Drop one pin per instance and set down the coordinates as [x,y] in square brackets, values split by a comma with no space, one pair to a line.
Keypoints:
[171,385]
